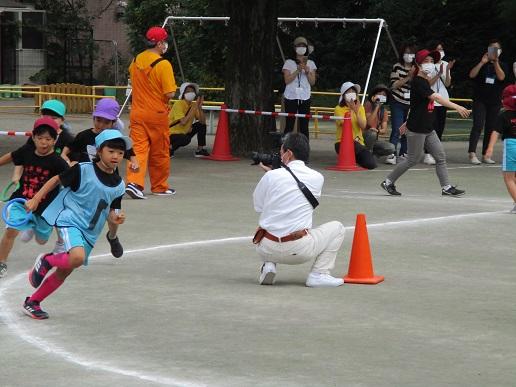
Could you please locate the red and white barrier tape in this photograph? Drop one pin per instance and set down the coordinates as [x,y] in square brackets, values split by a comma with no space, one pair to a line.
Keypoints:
[324,117]
[13,133]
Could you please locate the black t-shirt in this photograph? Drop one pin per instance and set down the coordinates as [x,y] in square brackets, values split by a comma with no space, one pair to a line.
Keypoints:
[506,124]
[37,170]
[72,178]
[83,147]
[65,138]
[421,117]
[487,88]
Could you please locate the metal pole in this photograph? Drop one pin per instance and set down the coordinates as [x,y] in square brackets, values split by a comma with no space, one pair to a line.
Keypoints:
[280,48]
[115,45]
[177,54]
[393,45]
[372,60]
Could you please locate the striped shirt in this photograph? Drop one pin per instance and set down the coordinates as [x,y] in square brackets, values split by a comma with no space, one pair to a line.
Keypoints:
[401,94]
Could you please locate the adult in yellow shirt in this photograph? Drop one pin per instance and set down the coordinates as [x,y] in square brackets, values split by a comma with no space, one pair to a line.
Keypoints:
[182,126]
[348,103]
[152,79]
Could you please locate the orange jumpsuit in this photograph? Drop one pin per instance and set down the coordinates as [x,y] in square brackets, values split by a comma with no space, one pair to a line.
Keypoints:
[151,81]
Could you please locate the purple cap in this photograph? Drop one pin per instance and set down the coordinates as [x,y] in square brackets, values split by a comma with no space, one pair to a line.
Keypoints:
[107,108]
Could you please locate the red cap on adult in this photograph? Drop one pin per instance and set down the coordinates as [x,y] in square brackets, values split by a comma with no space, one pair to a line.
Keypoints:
[156,34]
[422,54]
[509,97]
[46,121]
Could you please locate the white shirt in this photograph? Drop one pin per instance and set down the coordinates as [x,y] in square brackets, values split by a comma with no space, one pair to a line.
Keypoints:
[439,86]
[283,207]
[299,88]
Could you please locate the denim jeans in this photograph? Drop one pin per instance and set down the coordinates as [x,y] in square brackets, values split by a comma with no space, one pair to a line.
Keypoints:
[399,112]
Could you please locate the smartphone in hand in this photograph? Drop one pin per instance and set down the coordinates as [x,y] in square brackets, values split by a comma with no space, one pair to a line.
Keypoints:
[492,53]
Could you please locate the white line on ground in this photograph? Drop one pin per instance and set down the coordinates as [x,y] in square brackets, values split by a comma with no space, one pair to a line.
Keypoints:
[433,168]
[12,321]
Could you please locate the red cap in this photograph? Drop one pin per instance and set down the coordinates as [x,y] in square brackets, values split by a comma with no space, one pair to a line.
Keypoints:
[156,34]
[46,121]
[509,97]
[422,54]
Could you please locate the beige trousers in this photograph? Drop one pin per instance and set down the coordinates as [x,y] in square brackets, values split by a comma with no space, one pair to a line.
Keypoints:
[321,244]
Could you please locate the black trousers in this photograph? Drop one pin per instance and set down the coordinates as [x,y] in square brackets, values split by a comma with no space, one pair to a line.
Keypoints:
[440,120]
[484,117]
[301,107]
[179,140]
[363,156]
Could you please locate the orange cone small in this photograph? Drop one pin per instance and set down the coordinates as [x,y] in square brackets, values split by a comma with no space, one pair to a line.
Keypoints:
[360,269]
[221,148]
[346,158]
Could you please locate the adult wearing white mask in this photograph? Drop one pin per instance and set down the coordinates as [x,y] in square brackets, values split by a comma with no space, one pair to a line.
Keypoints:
[349,104]
[419,127]
[182,116]
[299,75]
[401,75]
[489,79]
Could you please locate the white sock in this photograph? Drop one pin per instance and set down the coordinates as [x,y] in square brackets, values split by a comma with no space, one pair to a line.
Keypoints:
[447,187]
[388,182]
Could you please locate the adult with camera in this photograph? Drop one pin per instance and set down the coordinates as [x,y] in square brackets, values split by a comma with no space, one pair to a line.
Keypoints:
[377,118]
[488,81]
[286,205]
[153,83]
[349,104]
[182,126]
[299,75]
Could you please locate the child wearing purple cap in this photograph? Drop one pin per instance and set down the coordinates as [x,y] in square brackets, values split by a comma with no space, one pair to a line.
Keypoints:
[83,149]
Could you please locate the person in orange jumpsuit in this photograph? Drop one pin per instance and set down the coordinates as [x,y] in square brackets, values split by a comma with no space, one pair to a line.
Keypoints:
[153,84]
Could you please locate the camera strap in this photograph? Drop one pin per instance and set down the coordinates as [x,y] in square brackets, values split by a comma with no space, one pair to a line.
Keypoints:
[304,189]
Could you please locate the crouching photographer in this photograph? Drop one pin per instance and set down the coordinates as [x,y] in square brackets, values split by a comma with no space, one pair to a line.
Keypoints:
[286,198]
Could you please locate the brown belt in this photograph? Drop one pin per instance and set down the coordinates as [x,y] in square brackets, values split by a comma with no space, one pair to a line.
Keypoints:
[290,237]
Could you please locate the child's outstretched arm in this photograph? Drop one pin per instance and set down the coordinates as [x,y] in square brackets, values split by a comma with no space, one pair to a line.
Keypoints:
[17,173]
[6,159]
[32,204]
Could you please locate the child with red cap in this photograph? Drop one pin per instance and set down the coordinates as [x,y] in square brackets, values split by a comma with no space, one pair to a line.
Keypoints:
[506,126]
[40,163]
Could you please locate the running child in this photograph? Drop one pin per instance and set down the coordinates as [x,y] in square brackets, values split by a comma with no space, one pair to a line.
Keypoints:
[39,163]
[92,193]
[506,125]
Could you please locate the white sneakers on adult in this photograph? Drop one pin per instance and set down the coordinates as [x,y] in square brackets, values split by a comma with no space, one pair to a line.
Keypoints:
[487,160]
[319,280]
[168,192]
[513,211]
[267,273]
[429,159]
[391,159]
[473,159]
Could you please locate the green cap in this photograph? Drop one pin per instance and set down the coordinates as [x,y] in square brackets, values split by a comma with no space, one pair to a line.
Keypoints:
[56,106]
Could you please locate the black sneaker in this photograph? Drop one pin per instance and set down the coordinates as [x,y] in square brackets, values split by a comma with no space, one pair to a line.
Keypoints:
[116,247]
[39,270]
[201,153]
[452,191]
[32,309]
[3,269]
[134,191]
[390,188]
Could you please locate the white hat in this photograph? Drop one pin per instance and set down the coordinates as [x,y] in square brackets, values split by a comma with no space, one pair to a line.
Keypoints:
[346,86]
[185,85]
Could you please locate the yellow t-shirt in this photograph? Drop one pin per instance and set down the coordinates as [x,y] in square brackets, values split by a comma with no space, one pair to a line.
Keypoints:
[151,84]
[357,132]
[178,112]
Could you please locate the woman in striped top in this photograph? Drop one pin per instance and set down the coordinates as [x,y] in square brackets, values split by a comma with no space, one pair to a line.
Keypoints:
[401,75]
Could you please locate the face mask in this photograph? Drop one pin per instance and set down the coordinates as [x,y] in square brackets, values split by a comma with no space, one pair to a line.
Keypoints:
[408,58]
[165,48]
[300,50]
[428,68]
[350,97]
[441,53]
[380,98]
[190,96]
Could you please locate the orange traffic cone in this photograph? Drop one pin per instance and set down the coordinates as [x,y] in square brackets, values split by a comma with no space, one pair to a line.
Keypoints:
[221,149]
[360,269]
[346,157]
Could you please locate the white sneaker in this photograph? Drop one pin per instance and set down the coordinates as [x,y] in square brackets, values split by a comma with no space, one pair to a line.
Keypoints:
[59,248]
[488,160]
[513,211]
[268,273]
[134,192]
[26,236]
[168,192]
[391,160]
[429,159]
[319,280]
[474,160]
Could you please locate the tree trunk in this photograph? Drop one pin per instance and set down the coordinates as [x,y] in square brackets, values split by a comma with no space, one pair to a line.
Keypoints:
[249,74]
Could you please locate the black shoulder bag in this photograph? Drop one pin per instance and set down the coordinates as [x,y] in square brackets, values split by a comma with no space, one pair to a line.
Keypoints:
[304,189]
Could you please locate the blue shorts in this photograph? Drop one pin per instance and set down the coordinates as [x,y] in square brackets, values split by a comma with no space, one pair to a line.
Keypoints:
[42,230]
[72,237]
[509,155]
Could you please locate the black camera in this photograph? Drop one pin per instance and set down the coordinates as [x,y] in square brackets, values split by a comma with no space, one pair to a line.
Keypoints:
[272,159]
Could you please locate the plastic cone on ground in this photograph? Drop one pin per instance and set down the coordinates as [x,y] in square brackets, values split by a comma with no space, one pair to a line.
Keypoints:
[221,148]
[360,269]
[346,157]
